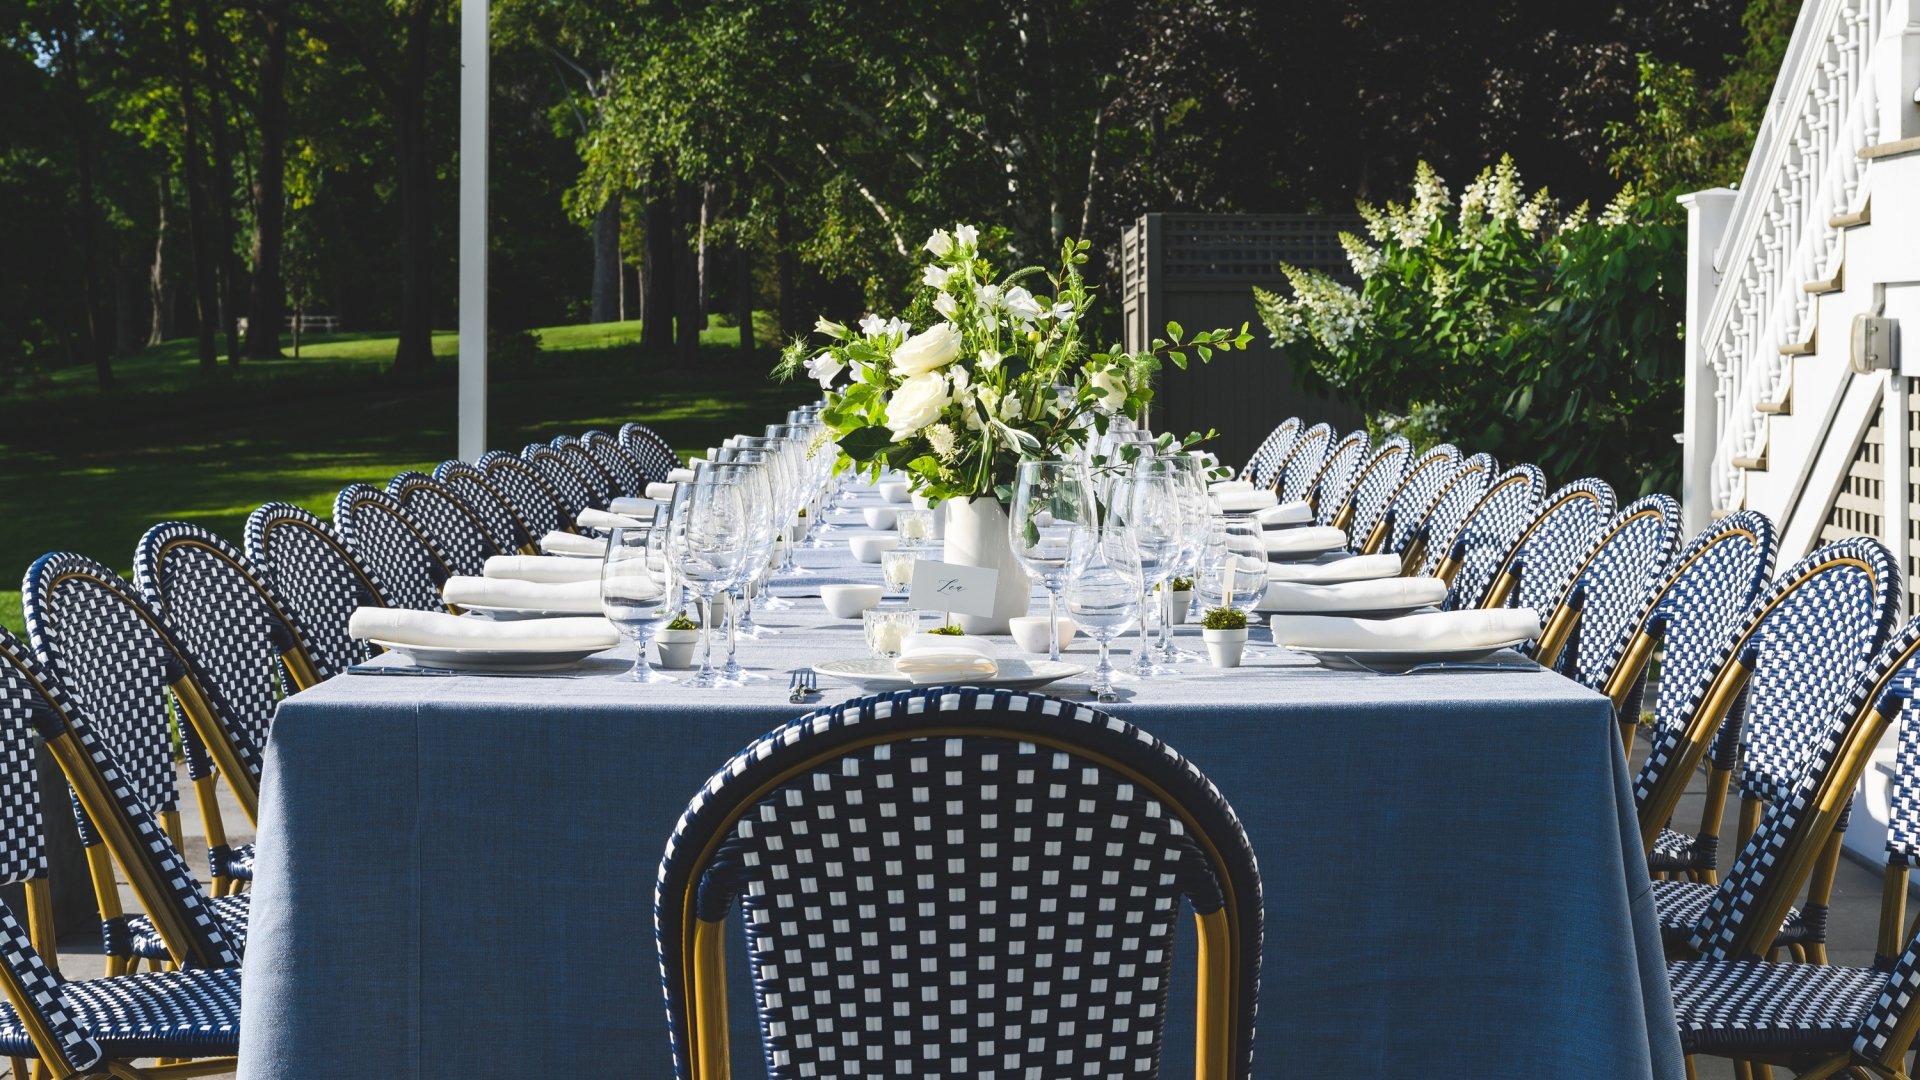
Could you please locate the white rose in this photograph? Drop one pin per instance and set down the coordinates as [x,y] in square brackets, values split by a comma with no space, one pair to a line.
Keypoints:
[873,325]
[946,305]
[939,243]
[966,236]
[825,367]
[934,347]
[935,276]
[916,403]
[1112,390]
[1021,305]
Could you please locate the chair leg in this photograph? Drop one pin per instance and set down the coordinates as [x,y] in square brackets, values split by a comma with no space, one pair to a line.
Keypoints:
[18,1069]
[1691,1075]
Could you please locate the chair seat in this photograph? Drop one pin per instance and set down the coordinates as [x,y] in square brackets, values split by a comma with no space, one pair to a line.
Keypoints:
[134,935]
[1677,852]
[185,1014]
[233,862]
[1730,1006]
[1681,903]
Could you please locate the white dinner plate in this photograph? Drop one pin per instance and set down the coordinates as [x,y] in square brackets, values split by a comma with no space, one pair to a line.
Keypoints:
[1406,657]
[490,659]
[1359,613]
[513,614]
[877,674]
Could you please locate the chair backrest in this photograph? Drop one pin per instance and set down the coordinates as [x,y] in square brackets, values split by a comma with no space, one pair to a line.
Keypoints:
[886,849]
[1409,498]
[460,530]
[561,477]
[1535,572]
[655,453]
[395,543]
[1293,477]
[1265,458]
[1329,490]
[1469,558]
[306,563]
[502,519]
[1607,598]
[1441,518]
[540,505]
[628,474]
[1373,485]
[600,483]
[235,629]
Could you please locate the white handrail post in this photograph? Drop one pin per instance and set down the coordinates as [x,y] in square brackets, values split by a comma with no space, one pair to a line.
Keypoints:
[474,48]
[1707,215]
[1897,68]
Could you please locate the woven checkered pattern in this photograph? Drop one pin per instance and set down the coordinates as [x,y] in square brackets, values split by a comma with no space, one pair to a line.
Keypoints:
[1550,548]
[1488,534]
[410,565]
[1874,1039]
[1262,461]
[23,851]
[34,981]
[183,1014]
[1413,495]
[116,659]
[1455,498]
[1616,581]
[628,474]
[226,619]
[304,562]
[961,883]
[1681,904]
[503,522]
[600,483]
[561,477]
[1374,486]
[1724,1007]
[1294,475]
[457,528]
[1903,816]
[542,508]
[655,454]
[1329,490]
[134,935]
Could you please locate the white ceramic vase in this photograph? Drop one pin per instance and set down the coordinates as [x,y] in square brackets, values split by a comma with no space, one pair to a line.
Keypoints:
[1225,647]
[977,536]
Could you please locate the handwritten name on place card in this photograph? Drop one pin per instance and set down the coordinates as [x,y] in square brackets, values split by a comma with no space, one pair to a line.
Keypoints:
[965,590]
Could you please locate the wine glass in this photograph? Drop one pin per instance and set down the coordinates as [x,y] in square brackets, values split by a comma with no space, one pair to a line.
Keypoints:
[636,597]
[755,497]
[1050,499]
[1146,501]
[707,545]
[1233,569]
[760,563]
[1102,591]
[1196,515]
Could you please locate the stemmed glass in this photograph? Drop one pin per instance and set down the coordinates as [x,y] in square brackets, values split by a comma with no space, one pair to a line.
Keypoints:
[1196,516]
[1146,500]
[707,544]
[760,564]
[1103,590]
[636,597]
[755,502]
[1233,569]
[1050,500]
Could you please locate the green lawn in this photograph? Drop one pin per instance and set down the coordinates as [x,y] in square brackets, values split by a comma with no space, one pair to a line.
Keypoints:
[88,472]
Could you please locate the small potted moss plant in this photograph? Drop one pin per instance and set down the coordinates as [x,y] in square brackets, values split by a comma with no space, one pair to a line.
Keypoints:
[1224,629]
[951,630]
[1179,600]
[675,642]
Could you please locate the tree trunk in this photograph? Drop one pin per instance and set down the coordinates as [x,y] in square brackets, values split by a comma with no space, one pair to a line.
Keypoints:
[700,253]
[266,297]
[93,348]
[198,227]
[657,269]
[606,261]
[689,318]
[786,267]
[128,302]
[159,289]
[414,354]
[743,295]
[220,189]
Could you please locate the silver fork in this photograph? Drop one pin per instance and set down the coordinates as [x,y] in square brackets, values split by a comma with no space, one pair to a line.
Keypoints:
[801,684]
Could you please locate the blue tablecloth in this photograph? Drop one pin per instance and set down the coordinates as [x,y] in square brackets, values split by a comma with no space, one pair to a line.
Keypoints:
[455,875]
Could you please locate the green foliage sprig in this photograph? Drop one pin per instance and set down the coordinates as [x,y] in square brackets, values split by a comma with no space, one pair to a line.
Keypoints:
[1224,618]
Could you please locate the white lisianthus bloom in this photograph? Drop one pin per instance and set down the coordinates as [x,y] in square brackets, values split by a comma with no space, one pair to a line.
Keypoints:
[1111,388]
[916,403]
[990,359]
[1021,305]
[830,328]
[987,297]
[939,244]
[932,348]
[935,276]
[1011,407]
[966,236]
[825,367]
[943,441]
[873,325]
[946,305]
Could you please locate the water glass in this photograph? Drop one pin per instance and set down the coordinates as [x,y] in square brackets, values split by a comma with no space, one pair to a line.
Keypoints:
[1050,500]
[1103,592]
[896,569]
[887,629]
[636,597]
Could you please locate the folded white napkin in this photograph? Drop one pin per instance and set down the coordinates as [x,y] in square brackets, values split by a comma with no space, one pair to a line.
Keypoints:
[543,568]
[1352,568]
[661,492]
[695,462]
[1229,487]
[679,476]
[601,521]
[941,658]
[731,441]
[1307,540]
[439,630]
[559,543]
[582,597]
[1379,594]
[1296,512]
[1245,502]
[1479,628]
[635,508]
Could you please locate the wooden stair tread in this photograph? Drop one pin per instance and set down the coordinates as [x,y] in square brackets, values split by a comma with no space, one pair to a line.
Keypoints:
[1798,348]
[1862,216]
[1782,407]
[1751,464]
[1825,285]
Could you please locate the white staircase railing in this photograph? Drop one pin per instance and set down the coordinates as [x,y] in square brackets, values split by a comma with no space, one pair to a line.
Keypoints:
[1805,169]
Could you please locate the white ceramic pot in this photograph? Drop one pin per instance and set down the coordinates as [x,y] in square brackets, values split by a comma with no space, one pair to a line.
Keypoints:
[880,517]
[848,601]
[1225,646]
[977,536]
[675,648]
[870,548]
[1030,632]
[893,491]
[1182,602]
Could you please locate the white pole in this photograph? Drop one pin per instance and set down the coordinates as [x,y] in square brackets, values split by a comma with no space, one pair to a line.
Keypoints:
[474,47]
[1707,216]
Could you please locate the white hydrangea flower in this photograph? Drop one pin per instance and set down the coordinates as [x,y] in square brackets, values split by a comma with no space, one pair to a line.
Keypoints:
[1619,207]
[1430,196]
[1575,219]
[1440,285]
[1504,200]
[943,441]
[1473,201]
[1534,212]
[1360,255]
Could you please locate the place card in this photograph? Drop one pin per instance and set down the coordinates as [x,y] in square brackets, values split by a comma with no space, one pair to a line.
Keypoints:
[966,590]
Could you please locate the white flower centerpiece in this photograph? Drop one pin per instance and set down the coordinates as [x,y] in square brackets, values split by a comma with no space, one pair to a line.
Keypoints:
[978,374]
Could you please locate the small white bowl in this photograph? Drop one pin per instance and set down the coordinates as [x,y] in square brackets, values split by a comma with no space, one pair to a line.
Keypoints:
[1030,632]
[870,548]
[880,517]
[848,601]
[894,491]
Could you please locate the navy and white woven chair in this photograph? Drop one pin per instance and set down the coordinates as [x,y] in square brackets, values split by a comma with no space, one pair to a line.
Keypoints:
[560,476]
[959,882]
[1467,561]
[97,1028]
[1328,492]
[655,454]
[1415,493]
[1372,487]
[540,505]
[1265,459]
[1440,519]
[460,530]
[1535,573]
[502,519]
[630,477]
[304,562]
[396,544]
[1606,601]
[1293,477]
[600,483]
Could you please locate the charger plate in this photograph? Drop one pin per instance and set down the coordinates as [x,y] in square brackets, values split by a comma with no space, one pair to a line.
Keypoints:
[878,674]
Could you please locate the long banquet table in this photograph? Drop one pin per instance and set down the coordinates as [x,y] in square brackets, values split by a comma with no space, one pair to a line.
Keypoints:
[456,873]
